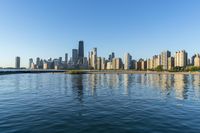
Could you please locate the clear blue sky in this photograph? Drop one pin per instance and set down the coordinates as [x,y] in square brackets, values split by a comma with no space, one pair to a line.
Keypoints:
[51,28]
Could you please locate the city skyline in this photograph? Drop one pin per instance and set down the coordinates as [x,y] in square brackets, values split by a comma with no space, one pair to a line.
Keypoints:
[25,63]
[77,58]
[165,60]
[32,29]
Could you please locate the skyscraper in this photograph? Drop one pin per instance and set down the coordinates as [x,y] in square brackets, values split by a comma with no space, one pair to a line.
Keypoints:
[17,62]
[140,65]
[98,63]
[66,58]
[30,63]
[114,63]
[181,58]
[164,59]
[37,61]
[149,64]
[93,58]
[170,63]
[60,60]
[74,56]
[127,61]
[103,63]
[156,61]
[118,63]
[197,60]
[192,59]
[143,64]
[111,56]
[81,52]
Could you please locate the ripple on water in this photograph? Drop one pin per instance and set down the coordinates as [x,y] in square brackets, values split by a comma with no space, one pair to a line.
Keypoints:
[99,103]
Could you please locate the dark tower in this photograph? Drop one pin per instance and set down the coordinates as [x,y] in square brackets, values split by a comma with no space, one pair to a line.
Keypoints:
[81,51]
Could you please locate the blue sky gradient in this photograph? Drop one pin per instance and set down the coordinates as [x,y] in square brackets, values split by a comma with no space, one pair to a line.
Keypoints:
[51,28]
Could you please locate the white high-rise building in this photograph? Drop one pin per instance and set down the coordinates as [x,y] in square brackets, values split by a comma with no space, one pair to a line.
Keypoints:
[197,60]
[103,63]
[98,63]
[93,58]
[109,65]
[127,61]
[164,59]
[181,58]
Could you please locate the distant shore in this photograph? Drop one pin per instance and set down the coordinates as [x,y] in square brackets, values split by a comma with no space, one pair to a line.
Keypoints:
[124,72]
[93,72]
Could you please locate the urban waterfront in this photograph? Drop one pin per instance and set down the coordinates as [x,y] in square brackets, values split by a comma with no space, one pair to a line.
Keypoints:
[99,103]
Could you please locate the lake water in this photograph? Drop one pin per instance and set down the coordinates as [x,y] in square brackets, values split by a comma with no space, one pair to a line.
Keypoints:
[99,103]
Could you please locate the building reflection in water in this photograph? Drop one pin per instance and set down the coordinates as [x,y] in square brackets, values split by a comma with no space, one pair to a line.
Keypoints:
[180,86]
[112,80]
[77,86]
[196,85]
[175,85]
[17,83]
[66,84]
[168,84]
[128,82]
[92,81]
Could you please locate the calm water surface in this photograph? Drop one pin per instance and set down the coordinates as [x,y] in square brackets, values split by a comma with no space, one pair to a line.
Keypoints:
[99,103]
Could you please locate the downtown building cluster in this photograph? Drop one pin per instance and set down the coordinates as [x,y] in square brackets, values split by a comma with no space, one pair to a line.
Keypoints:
[164,60]
[78,61]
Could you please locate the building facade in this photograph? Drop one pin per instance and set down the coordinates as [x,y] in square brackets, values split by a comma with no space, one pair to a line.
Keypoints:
[127,61]
[93,58]
[17,62]
[80,52]
[197,60]
[74,56]
[30,63]
[170,63]
[98,63]
[181,58]
[164,59]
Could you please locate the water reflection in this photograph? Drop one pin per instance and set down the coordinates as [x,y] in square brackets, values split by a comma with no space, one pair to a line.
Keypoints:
[178,86]
[175,85]
[75,103]
[128,81]
[195,79]
[77,86]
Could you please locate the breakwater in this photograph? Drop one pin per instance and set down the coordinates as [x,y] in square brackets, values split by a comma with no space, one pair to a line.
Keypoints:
[21,71]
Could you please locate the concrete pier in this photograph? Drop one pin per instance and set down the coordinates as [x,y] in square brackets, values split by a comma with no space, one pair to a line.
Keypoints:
[21,71]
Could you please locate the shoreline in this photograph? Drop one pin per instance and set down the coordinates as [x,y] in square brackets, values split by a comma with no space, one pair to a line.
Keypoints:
[128,72]
[95,72]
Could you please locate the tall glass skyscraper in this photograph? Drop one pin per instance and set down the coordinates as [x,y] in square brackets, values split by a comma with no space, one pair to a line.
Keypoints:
[81,52]
[17,62]
[74,56]
[66,58]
